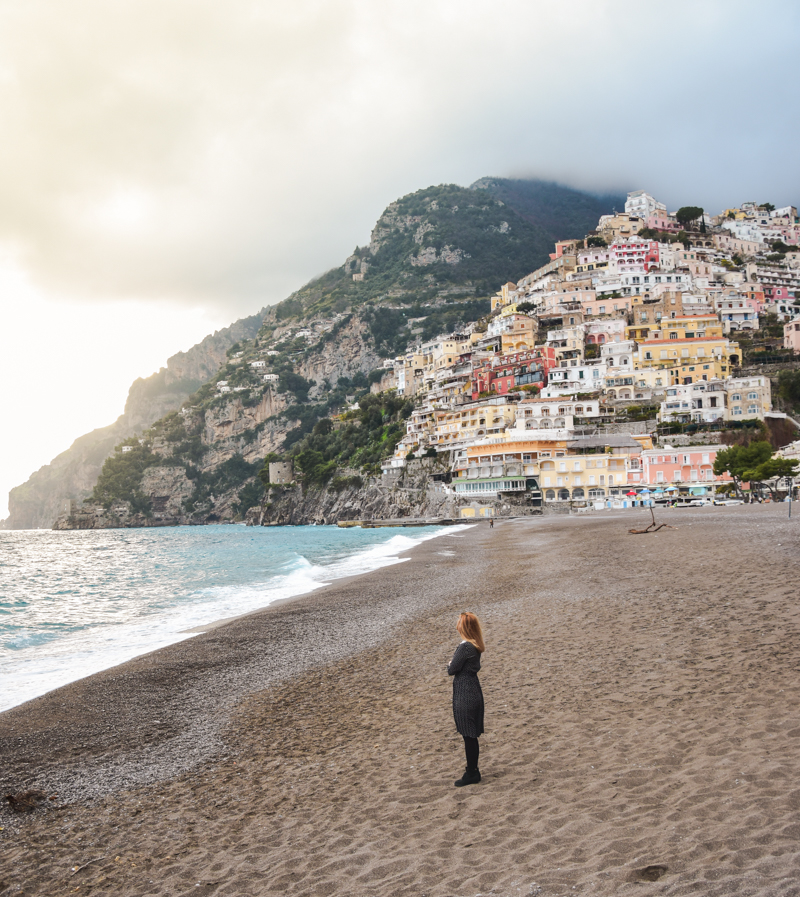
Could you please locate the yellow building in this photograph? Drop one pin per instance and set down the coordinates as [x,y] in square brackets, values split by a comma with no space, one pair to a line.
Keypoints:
[689,359]
[562,469]
[506,295]
[612,227]
[688,347]
[490,417]
[689,327]
[447,351]
[521,336]
[639,332]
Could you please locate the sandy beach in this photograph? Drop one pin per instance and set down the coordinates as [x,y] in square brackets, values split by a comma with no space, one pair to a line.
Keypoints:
[642,729]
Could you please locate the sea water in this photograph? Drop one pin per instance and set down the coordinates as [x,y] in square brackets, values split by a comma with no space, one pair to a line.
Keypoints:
[75,603]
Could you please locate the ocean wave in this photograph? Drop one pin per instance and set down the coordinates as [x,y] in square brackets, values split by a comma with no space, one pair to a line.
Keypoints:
[124,616]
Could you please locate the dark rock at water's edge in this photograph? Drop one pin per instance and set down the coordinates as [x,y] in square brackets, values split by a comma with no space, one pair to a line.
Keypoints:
[413,493]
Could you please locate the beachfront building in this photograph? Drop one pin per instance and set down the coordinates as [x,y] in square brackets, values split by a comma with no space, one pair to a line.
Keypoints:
[560,466]
[668,466]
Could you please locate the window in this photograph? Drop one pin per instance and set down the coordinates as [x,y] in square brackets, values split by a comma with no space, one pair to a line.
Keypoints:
[736,397]
[576,465]
[752,395]
[562,466]
[663,353]
[673,335]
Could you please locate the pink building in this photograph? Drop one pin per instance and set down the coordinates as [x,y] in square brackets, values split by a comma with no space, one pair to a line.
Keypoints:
[605,305]
[660,220]
[791,336]
[666,466]
[634,255]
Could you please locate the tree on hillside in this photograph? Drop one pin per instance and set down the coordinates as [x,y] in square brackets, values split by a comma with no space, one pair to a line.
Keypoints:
[738,460]
[688,215]
[771,472]
[789,387]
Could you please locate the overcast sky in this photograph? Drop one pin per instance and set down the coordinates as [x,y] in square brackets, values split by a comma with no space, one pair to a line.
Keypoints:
[168,166]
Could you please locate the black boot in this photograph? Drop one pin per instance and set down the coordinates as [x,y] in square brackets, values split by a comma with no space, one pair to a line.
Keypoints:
[470,777]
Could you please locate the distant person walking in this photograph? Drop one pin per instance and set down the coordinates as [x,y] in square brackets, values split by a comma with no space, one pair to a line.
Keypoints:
[467,693]
[491,523]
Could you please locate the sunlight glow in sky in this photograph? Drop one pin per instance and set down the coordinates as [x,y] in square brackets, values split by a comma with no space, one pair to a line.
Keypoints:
[169,167]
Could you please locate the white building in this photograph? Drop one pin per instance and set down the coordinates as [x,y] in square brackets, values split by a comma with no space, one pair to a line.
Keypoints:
[642,205]
[701,402]
[736,314]
[748,397]
[567,380]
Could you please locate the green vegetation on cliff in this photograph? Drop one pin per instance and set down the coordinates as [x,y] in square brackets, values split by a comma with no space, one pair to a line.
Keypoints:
[121,478]
[459,242]
[434,259]
[362,440]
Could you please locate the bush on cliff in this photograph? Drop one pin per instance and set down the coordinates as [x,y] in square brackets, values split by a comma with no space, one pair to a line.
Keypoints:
[366,437]
[121,477]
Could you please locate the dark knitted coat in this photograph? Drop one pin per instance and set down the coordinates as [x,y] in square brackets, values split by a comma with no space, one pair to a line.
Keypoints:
[467,694]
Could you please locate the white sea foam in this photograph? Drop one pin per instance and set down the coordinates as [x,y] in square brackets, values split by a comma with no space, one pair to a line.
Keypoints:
[46,659]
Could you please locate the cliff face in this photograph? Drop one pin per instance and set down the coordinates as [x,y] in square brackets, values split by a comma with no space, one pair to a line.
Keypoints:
[433,259]
[411,493]
[73,473]
[408,494]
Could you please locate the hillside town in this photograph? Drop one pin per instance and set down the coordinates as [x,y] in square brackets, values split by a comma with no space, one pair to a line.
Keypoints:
[567,390]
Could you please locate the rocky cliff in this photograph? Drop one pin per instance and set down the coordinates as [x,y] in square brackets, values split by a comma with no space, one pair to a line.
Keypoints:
[416,492]
[73,473]
[434,258]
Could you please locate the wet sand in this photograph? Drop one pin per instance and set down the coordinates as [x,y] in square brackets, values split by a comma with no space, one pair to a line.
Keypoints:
[642,716]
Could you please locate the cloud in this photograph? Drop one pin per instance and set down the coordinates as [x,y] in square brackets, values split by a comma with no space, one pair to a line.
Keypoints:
[220,154]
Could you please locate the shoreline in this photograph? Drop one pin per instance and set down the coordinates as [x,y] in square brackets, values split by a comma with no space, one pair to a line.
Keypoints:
[174,743]
[169,635]
[641,715]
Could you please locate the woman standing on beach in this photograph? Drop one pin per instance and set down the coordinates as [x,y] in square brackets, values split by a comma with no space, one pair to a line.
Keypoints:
[467,693]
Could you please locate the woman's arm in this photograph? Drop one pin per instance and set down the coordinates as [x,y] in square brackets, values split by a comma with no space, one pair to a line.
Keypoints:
[458,661]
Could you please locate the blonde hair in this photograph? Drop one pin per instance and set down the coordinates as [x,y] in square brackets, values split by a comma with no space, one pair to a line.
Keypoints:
[469,628]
